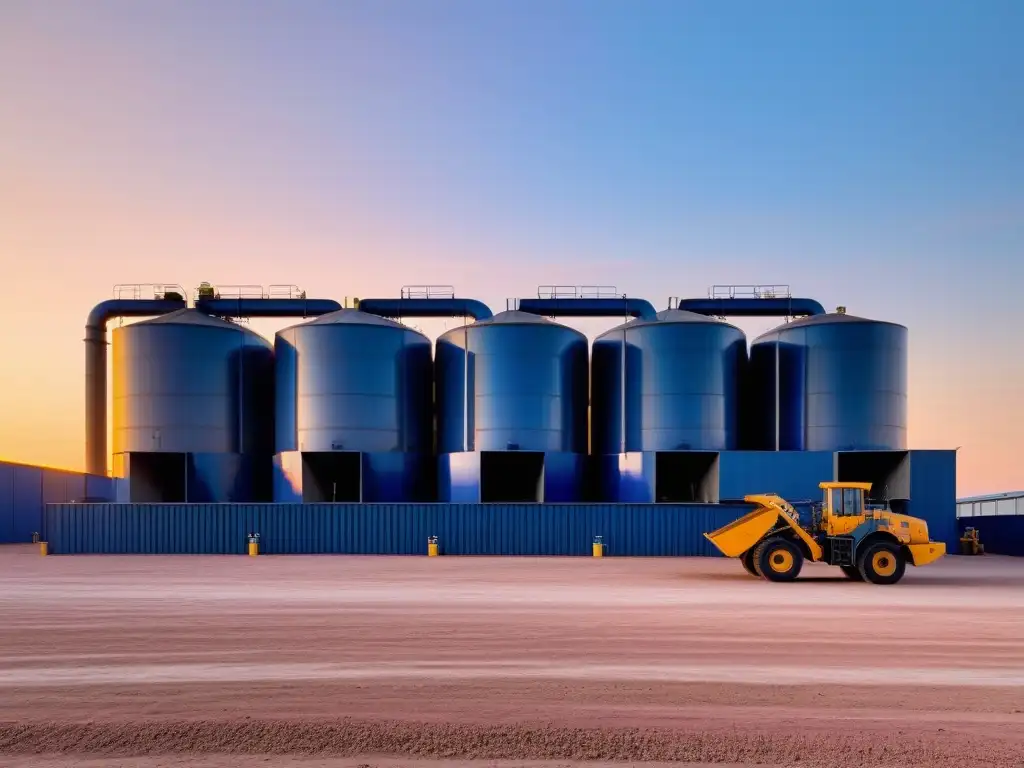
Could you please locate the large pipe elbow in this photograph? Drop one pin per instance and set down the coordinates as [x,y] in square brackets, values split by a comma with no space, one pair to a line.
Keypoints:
[96,369]
[596,307]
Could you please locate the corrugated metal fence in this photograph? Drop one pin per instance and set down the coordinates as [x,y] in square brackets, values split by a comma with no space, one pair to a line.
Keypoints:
[25,489]
[639,530]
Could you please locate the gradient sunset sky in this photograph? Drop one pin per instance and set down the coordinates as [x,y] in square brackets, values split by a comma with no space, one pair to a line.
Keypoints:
[868,154]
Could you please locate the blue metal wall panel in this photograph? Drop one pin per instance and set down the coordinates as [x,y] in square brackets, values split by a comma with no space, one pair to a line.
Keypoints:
[933,494]
[28,502]
[639,530]
[627,478]
[563,477]
[794,475]
[6,504]
[25,489]
[458,477]
[288,477]
[228,477]
[1000,534]
[394,477]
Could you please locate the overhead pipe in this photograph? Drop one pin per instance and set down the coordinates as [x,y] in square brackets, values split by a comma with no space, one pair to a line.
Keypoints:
[590,307]
[753,307]
[96,369]
[419,307]
[268,307]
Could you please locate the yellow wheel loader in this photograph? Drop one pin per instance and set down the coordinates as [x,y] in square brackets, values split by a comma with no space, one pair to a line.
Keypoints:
[868,542]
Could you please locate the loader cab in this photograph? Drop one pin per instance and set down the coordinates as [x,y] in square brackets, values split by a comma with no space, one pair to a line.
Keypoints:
[843,506]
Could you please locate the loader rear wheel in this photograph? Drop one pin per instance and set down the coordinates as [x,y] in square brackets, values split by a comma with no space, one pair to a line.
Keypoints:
[881,563]
[851,572]
[778,559]
[747,558]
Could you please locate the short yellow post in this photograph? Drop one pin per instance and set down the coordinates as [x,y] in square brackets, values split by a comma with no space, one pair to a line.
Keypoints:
[44,548]
[598,546]
[254,544]
[432,547]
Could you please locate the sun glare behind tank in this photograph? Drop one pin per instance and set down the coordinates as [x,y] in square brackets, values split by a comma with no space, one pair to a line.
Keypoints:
[189,383]
[354,397]
[683,374]
[527,381]
[831,383]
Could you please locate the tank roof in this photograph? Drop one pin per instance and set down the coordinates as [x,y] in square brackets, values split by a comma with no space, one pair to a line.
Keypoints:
[514,317]
[192,317]
[833,318]
[352,317]
[672,316]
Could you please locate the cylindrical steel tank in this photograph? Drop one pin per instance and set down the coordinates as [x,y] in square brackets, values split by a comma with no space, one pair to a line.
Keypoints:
[353,381]
[830,383]
[527,382]
[682,376]
[186,382]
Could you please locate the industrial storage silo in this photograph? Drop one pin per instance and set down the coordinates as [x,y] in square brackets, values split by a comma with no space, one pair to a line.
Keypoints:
[668,388]
[831,382]
[511,397]
[353,410]
[193,398]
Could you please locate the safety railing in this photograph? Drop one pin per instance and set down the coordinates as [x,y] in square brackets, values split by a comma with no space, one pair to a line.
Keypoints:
[577,292]
[749,292]
[428,292]
[157,291]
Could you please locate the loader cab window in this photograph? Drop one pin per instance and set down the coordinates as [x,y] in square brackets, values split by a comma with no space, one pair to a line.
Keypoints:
[846,501]
[852,501]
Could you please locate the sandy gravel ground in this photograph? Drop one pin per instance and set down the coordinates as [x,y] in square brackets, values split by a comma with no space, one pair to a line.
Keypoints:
[466,662]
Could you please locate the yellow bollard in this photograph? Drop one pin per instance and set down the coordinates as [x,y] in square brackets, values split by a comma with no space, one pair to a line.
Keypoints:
[432,547]
[598,547]
[44,548]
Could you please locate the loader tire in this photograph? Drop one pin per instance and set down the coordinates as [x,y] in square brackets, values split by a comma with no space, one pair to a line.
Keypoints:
[747,558]
[778,559]
[851,572]
[881,563]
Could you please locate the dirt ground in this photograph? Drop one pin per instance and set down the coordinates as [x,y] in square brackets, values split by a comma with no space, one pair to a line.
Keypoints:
[310,662]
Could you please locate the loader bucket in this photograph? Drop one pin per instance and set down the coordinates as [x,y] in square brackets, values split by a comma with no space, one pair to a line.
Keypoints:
[740,535]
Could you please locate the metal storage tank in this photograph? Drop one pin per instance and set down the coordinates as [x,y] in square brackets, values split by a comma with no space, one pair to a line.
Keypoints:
[511,397]
[353,381]
[192,397]
[189,383]
[354,394]
[830,382]
[527,381]
[682,375]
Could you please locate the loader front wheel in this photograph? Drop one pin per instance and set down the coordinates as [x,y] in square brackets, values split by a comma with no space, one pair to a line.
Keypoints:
[882,563]
[778,559]
[747,558]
